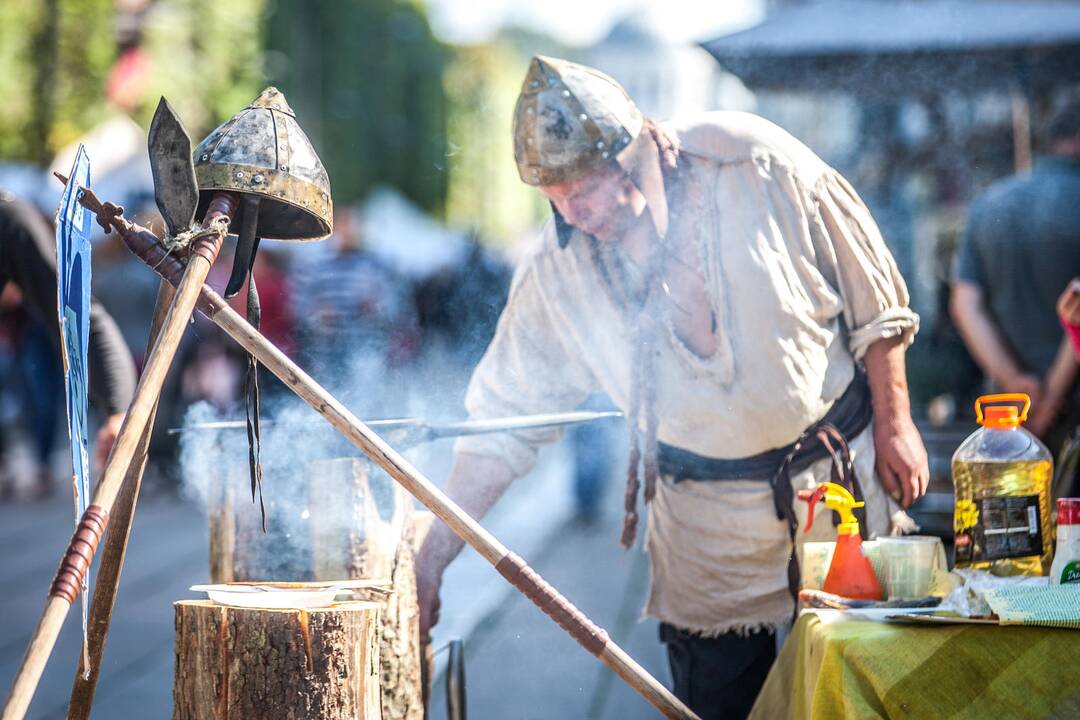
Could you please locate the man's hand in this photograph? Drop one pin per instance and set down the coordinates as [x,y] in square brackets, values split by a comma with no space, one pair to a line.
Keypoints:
[1056,390]
[984,341]
[1068,305]
[901,461]
[1025,383]
[476,482]
[106,437]
[428,581]
[902,464]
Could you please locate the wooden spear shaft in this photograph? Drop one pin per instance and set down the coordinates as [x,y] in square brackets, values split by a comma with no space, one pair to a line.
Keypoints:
[80,553]
[509,565]
[116,540]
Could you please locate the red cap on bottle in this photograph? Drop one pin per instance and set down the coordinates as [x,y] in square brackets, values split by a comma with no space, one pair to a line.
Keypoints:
[1068,511]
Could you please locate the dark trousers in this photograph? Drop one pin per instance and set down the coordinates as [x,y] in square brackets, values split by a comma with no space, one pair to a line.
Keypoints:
[718,677]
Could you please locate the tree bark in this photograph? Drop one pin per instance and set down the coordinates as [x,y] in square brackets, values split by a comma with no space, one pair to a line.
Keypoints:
[276,664]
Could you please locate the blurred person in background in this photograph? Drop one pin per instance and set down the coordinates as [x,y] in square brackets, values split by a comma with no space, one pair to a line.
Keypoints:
[458,306]
[1021,246]
[729,292]
[354,313]
[28,261]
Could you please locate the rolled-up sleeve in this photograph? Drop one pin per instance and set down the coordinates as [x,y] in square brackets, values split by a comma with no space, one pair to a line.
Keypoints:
[528,368]
[854,254]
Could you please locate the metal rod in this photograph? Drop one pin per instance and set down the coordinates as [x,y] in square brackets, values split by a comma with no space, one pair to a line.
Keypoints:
[520,575]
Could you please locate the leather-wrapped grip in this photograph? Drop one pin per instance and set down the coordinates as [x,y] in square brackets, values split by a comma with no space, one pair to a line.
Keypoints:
[145,245]
[562,611]
[207,244]
[80,553]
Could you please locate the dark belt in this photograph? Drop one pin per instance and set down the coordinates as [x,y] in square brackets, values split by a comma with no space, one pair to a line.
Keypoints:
[850,414]
[848,417]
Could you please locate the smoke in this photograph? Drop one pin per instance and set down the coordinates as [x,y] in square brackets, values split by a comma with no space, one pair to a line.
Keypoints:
[362,371]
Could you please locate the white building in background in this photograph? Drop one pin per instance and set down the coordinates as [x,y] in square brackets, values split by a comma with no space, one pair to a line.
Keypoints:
[664,79]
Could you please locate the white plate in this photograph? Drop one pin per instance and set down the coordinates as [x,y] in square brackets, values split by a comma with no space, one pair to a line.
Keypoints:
[884,613]
[274,599]
[268,595]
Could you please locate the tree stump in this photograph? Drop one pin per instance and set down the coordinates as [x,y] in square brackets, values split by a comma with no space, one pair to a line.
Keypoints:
[358,526]
[361,528]
[276,664]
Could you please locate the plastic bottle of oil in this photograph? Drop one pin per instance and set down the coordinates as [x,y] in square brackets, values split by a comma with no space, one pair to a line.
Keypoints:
[1001,474]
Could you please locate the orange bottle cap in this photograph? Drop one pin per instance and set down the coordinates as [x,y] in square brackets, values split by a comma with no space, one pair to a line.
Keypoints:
[1002,416]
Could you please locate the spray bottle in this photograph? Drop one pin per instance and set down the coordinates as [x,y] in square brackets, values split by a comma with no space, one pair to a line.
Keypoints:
[850,573]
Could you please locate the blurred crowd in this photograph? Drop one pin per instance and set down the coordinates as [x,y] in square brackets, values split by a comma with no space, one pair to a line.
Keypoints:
[362,323]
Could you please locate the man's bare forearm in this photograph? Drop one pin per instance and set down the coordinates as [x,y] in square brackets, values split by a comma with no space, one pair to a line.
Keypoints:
[981,335]
[887,375]
[1062,374]
[476,483]
[901,461]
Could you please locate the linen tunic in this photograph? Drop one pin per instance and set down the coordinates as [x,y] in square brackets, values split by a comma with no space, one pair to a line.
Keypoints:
[801,283]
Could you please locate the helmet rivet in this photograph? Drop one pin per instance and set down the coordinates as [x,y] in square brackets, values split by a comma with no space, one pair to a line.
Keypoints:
[529,110]
[205,157]
[284,167]
[583,117]
[239,176]
[600,145]
[604,154]
[566,93]
[257,178]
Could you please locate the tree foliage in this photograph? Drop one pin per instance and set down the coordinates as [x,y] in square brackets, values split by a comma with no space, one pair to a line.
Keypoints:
[365,81]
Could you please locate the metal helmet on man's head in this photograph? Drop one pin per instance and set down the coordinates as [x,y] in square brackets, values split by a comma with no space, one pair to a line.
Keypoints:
[571,120]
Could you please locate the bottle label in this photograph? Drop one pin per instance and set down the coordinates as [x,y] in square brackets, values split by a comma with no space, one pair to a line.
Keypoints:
[1070,573]
[999,527]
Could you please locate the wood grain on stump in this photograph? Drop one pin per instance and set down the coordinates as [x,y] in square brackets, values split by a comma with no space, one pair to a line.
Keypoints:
[251,664]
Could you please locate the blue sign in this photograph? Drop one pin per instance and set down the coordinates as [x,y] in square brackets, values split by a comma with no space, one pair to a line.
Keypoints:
[73,227]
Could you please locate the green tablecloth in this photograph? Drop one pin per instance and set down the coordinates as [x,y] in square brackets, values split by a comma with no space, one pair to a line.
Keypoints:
[832,668]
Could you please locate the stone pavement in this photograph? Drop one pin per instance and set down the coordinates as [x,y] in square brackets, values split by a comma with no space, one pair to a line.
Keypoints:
[519,663]
[167,554]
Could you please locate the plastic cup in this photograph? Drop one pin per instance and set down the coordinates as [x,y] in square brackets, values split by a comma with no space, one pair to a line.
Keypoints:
[909,564]
[817,556]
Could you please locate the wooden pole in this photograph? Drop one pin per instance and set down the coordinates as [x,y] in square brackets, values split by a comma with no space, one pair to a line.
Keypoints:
[80,553]
[510,566]
[1021,131]
[116,540]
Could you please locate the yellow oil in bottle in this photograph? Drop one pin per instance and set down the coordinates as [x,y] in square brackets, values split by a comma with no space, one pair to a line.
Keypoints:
[1001,478]
[994,514]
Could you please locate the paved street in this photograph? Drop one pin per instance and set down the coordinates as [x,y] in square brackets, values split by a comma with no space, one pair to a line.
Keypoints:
[168,554]
[519,664]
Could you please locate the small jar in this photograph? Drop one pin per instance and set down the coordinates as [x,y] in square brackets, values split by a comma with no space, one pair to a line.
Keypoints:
[1066,567]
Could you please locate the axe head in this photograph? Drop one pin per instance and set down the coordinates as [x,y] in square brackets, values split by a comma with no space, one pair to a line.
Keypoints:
[175,189]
